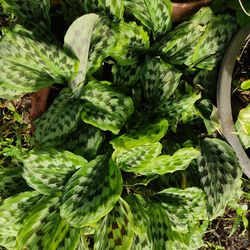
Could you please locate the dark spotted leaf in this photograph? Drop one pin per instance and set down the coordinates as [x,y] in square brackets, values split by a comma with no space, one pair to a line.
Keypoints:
[77,41]
[140,134]
[27,65]
[91,192]
[184,206]
[116,230]
[126,75]
[85,141]
[159,81]
[115,8]
[11,181]
[212,44]
[48,171]
[220,172]
[136,158]
[155,15]
[104,107]
[12,213]
[43,228]
[141,242]
[58,121]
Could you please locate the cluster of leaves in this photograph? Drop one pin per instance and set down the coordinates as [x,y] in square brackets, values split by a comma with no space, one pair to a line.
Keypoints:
[125,157]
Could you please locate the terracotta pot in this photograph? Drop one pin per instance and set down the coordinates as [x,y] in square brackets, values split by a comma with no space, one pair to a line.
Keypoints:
[224,97]
[38,104]
[182,11]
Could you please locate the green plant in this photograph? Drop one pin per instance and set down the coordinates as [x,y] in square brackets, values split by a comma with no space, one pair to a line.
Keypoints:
[115,157]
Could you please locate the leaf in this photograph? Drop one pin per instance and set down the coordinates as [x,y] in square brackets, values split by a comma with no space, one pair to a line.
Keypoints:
[71,10]
[213,42]
[219,169]
[12,212]
[11,181]
[104,107]
[184,206]
[244,138]
[155,15]
[58,121]
[126,75]
[159,81]
[140,134]
[136,158]
[28,65]
[163,164]
[83,202]
[115,8]
[77,41]
[44,228]
[244,119]
[85,141]
[131,40]
[116,230]
[141,242]
[139,208]
[48,170]
[245,84]
[28,11]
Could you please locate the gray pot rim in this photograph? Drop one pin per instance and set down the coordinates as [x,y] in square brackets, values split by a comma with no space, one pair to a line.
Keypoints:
[224,97]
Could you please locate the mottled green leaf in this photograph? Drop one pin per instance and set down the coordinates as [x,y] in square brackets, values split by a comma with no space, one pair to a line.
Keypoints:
[141,134]
[83,201]
[184,206]
[219,169]
[132,40]
[72,9]
[58,121]
[244,138]
[136,158]
[116,230]
[213,42]
[12,212]
[126,75]
[48,171]
[163,164]
[159,81]
[29,10]
[77,41]
[104,107]
[115,8]
[244,119]
[85,141]
[141,242]
[11,181]
[44,228]
[155,15]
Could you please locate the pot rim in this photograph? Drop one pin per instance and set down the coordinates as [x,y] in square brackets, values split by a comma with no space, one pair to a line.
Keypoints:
[224,97]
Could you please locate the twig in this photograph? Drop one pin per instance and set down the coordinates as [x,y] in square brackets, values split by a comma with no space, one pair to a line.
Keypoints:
[243,8]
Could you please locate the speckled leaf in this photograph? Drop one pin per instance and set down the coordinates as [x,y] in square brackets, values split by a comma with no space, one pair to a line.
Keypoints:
[141,242]
[116,230]
[44,228]
[91,192]
[178,46]
[28,10]
[48,171]
[219,169]
[136,158]
[12,212]
[140,210]
[11,181]
[159,81]
[58,121]
[27,65]
[115,8]
[155,15]
[104,107]
[212,44]
[158,227]
[184,206]
[126,75]
[77,41]
[164,164]
[131,41]
[140,134]
[85,141]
